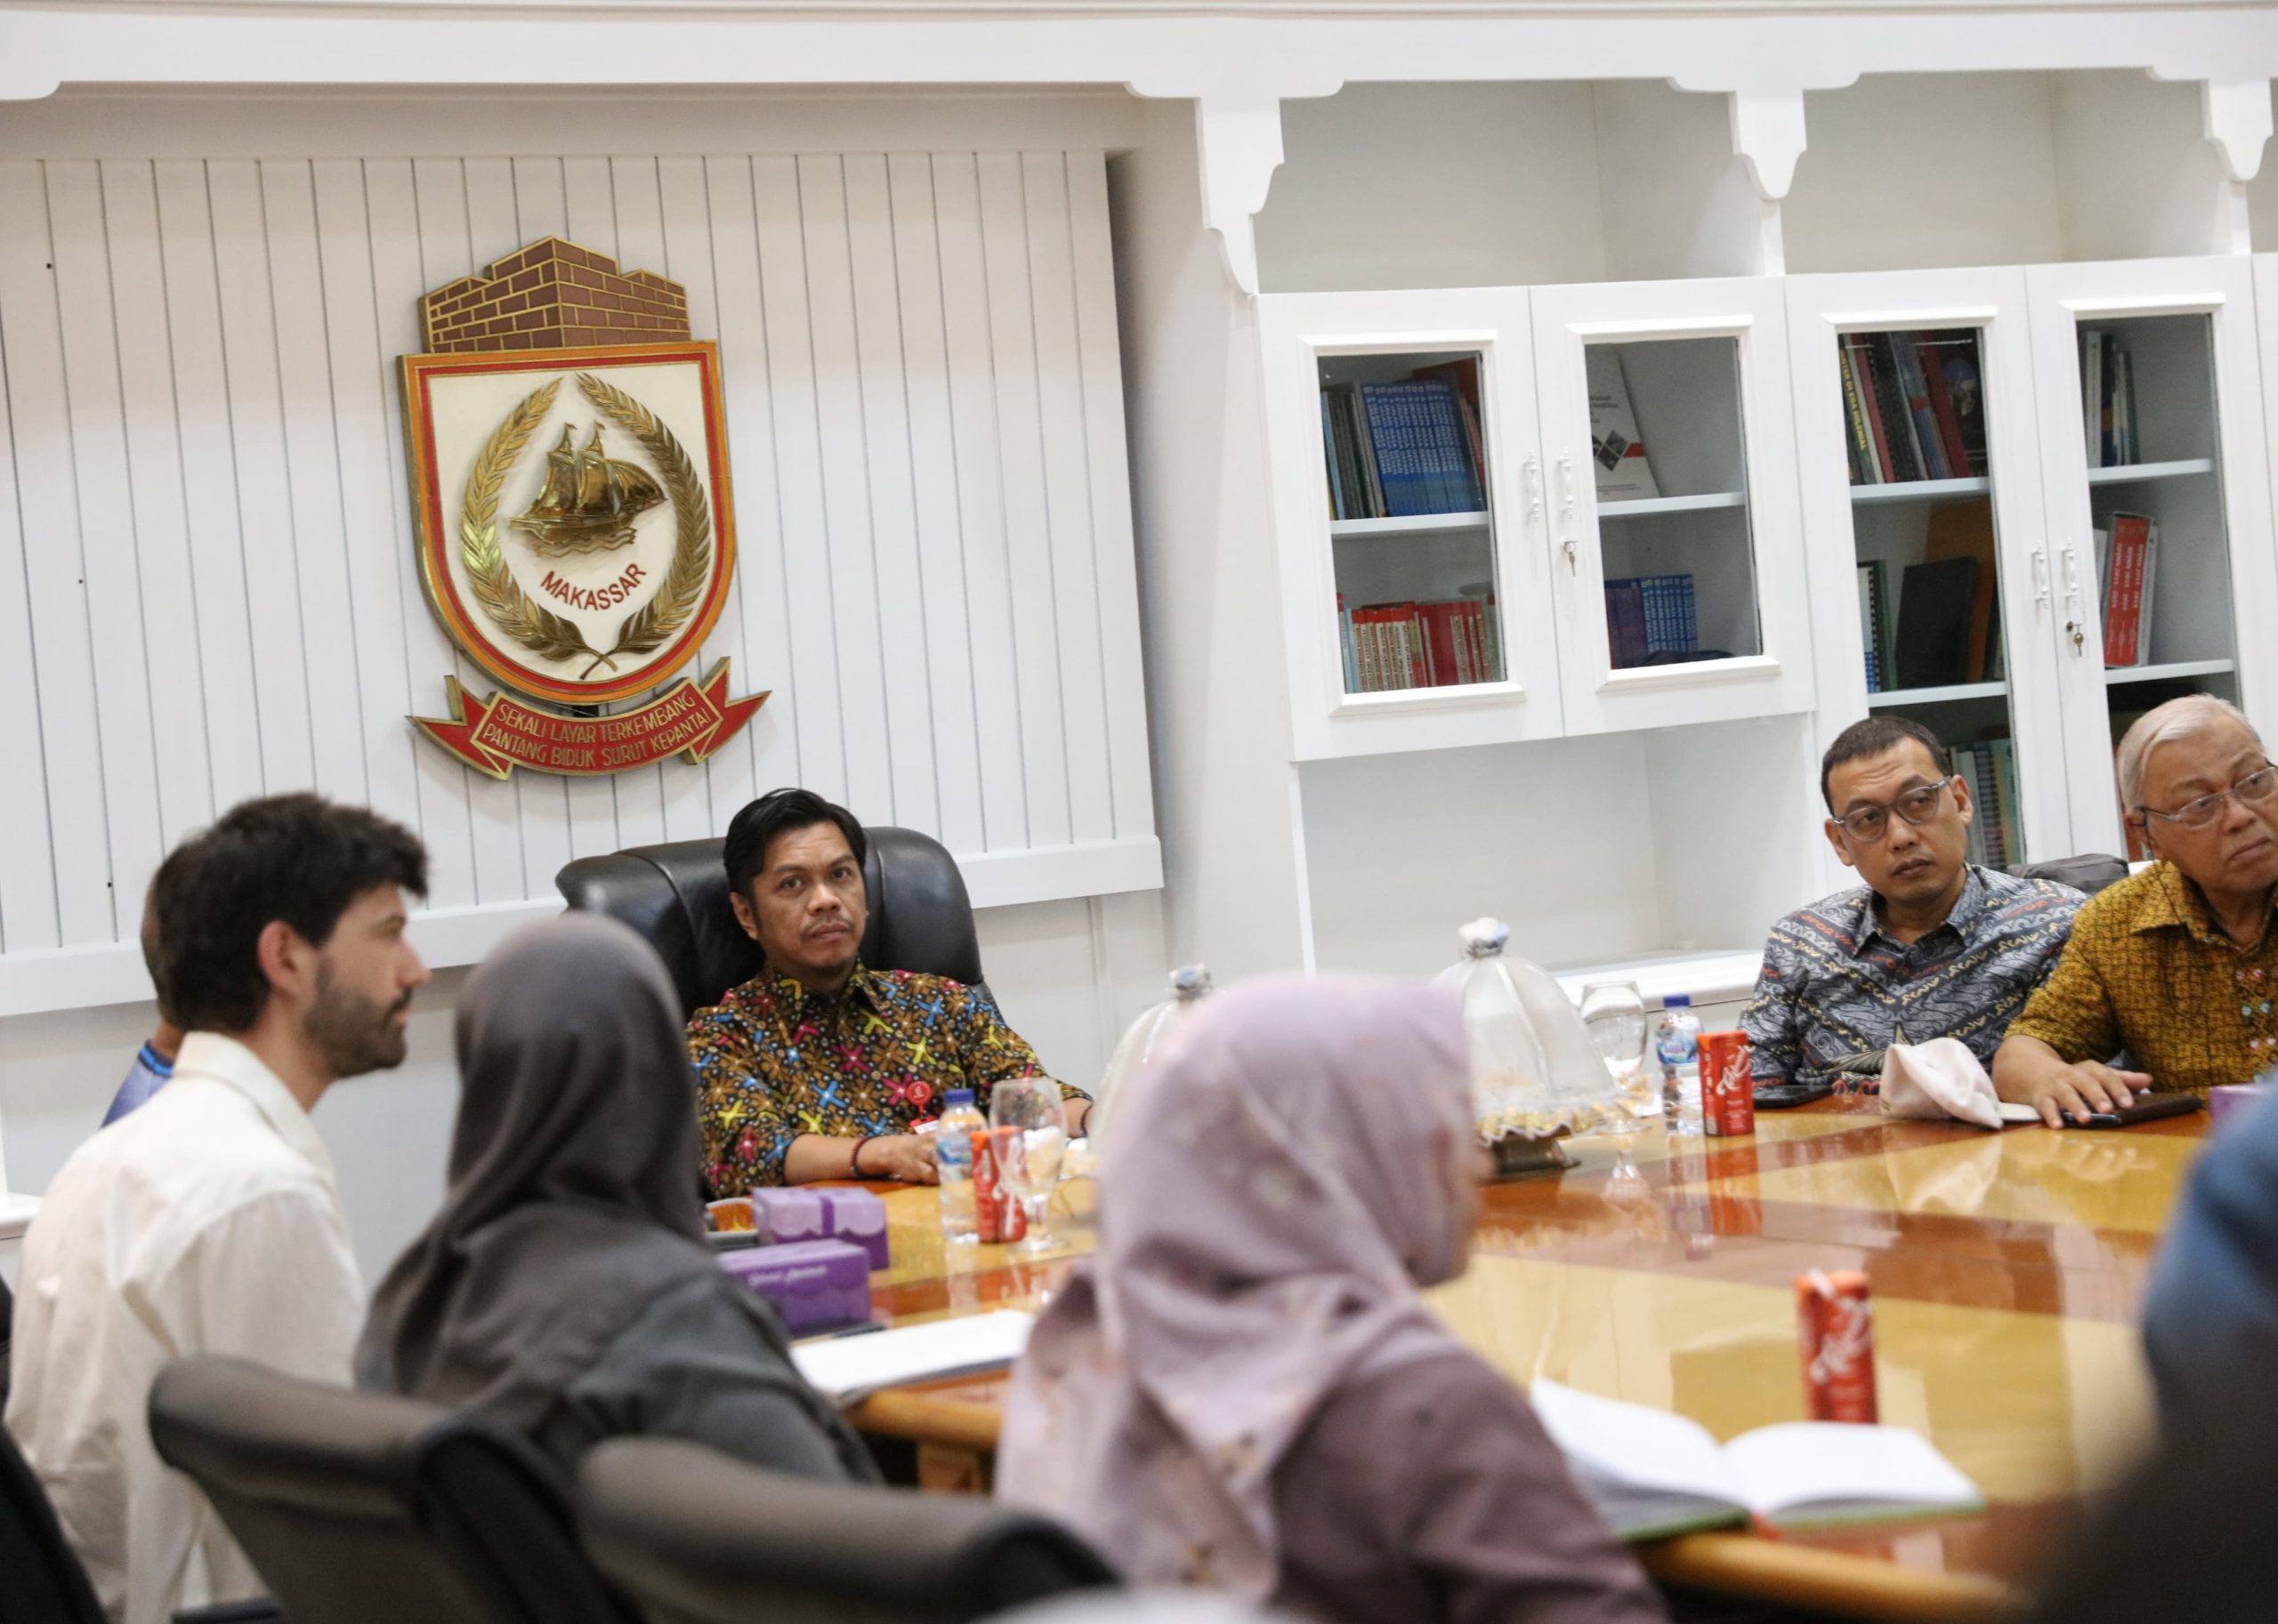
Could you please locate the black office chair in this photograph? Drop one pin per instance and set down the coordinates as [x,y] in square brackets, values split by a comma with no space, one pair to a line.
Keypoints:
[41,1580]
[2087,874]
[699,1539]
[368,1509]
[677,897]
[7,1332]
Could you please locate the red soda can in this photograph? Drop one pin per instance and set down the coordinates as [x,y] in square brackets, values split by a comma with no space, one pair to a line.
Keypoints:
[996,1214]
[1836,1331]
[1727,1085]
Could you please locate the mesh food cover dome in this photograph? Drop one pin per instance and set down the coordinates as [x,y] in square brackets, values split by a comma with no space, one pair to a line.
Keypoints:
[1534,1070]
[1189,985]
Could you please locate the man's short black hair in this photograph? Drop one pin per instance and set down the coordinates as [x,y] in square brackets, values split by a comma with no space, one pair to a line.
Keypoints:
[1872,737]
[779,813]
[298,857]
[153,957]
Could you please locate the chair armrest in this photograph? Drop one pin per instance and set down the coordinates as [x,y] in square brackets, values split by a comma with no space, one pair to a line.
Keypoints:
[259,1610]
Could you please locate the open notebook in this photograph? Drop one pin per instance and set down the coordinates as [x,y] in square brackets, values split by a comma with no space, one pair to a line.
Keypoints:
[847,1367]
[1653,1473]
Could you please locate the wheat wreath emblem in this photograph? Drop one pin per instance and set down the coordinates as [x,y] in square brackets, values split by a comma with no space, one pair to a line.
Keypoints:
[545,633]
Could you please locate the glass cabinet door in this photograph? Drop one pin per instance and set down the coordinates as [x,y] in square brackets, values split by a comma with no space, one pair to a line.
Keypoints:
[2151,434]
[1676,542]
[1407,509]
[1922,501]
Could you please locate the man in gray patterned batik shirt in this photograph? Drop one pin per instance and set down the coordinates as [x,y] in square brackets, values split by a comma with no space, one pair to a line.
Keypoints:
[1931,946]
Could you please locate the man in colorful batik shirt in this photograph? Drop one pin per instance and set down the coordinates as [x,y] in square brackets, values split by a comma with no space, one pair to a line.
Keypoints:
[821,1067]
[1931,946]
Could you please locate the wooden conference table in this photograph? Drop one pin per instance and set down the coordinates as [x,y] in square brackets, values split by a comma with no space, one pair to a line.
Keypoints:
[2005,1269]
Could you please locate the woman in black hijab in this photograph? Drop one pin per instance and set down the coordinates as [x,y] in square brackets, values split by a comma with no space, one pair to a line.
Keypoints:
[565,1289]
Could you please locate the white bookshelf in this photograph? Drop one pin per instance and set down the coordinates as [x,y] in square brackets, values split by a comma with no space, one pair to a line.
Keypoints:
[1647,507]
[2116,676]
[2144,474]
[1951,693]
[1921,490]
[1417,524]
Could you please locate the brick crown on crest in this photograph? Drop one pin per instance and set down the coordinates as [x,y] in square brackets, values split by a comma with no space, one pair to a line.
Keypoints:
[552,295]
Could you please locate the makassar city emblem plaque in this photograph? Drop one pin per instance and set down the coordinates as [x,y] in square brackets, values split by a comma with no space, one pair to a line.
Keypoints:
[569,466]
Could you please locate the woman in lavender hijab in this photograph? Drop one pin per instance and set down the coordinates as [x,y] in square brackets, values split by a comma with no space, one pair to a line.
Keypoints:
[1244,1389]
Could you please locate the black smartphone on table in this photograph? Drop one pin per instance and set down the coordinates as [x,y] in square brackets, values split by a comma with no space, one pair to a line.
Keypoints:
[2147,1108]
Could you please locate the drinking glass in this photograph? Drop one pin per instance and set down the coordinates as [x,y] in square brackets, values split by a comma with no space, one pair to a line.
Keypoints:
[1029,1158]
[1614,1015]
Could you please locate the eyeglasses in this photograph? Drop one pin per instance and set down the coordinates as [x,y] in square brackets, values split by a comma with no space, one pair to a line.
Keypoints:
[2259,785]
[1917,806]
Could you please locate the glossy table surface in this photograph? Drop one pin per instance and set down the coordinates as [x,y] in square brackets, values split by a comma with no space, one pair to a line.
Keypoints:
[2005,1271]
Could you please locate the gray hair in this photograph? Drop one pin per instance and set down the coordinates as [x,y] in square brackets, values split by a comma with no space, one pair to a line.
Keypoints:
[2194,713]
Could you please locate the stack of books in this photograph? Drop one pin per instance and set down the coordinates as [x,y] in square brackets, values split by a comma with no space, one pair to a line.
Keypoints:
[1649,614]
[1440,644]
[1913,407]
[1996,834]
[1401,450]
[2127,556]
[1875,622]
[2107,400]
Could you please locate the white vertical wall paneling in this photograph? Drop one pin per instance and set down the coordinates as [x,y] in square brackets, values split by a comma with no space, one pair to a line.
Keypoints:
[1116,560]
[1067,496]
[264,493]
[690,260]
[329,630]
[936,533]
[169,588]
[798,472]
[899,589]
[109,567]
[446,250]
[640,246]
[48,511]
[841,435]
[770,742]
[362,430]
[1020,434]
[200,410]
[540,810]
[981,499]
[445,819]
[28,920]
[202,418]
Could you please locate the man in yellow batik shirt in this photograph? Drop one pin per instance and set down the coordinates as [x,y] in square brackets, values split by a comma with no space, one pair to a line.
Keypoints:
[2175,968]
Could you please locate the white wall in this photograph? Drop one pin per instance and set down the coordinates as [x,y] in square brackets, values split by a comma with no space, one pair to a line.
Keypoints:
[1070,976]
[207,587]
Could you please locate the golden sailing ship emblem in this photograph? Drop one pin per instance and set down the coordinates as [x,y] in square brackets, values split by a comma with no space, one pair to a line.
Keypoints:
[590,499]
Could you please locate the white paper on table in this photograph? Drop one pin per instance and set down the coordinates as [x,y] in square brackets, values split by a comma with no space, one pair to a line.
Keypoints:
[845,1369]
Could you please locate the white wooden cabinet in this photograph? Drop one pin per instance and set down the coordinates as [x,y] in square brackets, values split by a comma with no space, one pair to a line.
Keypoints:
[2200,470]
[1705,366]
[1707,362]
[1855,520]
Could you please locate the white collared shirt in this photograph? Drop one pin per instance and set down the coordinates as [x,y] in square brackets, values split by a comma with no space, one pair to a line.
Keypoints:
[207,1222]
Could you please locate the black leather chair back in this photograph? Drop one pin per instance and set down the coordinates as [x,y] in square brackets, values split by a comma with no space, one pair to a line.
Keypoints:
[2086,874]
[368,1509]
[696,1537]
[41,1580]
[676,896]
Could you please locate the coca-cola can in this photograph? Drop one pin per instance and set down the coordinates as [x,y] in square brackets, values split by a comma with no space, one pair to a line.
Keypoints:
[1727,1085]
[1835,1326]
[996,1214]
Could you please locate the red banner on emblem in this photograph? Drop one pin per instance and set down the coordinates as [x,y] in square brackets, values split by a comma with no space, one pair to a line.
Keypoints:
[496,735]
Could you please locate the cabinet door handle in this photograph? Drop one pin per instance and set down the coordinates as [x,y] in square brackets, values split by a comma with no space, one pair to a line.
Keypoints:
[1534,489]
[2040,577]
[2073,625]
[1566,510]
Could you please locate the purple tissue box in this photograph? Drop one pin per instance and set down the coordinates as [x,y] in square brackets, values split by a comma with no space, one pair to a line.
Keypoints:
[783,1215]
[858,1217]
[815,1285]
[2226,1103]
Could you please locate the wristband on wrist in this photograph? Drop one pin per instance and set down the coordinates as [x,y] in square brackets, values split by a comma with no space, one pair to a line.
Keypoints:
[854,1162]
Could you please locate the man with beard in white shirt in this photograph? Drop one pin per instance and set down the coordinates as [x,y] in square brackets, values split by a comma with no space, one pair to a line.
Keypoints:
[208,1222]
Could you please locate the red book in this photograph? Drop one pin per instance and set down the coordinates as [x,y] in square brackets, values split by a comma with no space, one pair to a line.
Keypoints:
[1941,407]
[1445,658]
[1419,647]
[2123,607]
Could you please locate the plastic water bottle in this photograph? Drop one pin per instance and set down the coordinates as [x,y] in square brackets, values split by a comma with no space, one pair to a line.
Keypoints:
[1677,1041]
[953,1159]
